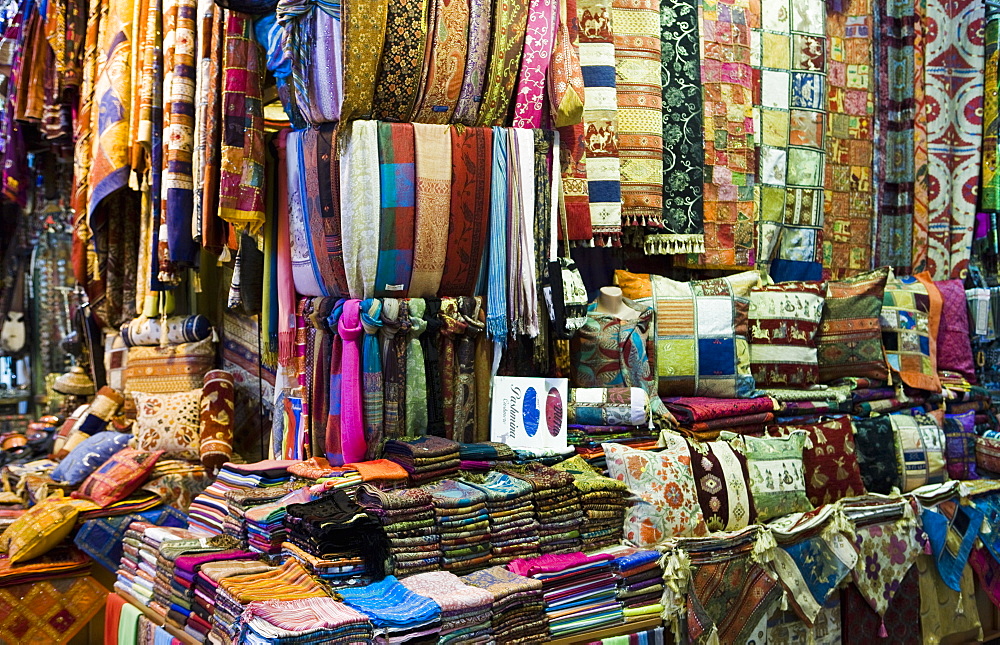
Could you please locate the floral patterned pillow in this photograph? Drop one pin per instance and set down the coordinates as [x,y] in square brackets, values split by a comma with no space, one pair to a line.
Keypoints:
[666,500]
[169,422]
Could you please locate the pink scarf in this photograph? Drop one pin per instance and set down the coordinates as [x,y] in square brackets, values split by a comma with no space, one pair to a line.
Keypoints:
[352,445]
[543,19]
[286,288]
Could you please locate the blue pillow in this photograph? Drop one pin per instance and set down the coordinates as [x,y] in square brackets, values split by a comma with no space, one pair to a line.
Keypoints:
[88,456]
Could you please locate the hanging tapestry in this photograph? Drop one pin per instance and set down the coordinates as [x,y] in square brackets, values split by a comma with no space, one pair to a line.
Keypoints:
[640,129]
[683,135]
[954,85]
[790,75]
[445,62]
[848,209]
[405,40]
[364,25]
[989,200]
[730,171]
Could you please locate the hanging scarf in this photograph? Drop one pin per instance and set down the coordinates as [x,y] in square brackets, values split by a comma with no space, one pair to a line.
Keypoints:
[305,260]
[510,18]
[600,118]
[395,327]
[352,446]
[371,319]
[429,342]
[543,17]
[565,79]
[496,317]
[921,186]
[522,298]
[314,46]
[211,44]
[269,318]
[464,421]
[452,328]
[683,135]
[331,439]
[477,57]
[443,82]
[327,202]
[405,40]
[319,402]
[359,206]
[286,287]
[482,362]
[84,131]
[469,209]
[397,169]
[990,182]
[416,374]
[364,34]
[432,144]
[303,359]
[543,222]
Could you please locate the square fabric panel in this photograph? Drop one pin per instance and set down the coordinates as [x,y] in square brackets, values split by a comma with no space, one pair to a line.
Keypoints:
[723,482]
[169,422]
[777,473]
[911,312]
[960,445]
[875,440]
[831,464]
[667,499]
[700,332]
[784,319]
[118,477]
[954,352]
[919,450]
[849,342]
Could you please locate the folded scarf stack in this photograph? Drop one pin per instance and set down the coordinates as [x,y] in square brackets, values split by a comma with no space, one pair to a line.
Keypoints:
[509,502]
[703,418]
[334,527]
[172,592]
[209,510]
[579,590]
[639,581]
[239,501]
[290,581]
[557,506]
[137,572]
[310,620]
[319,469]
[347,570]
[407,515]
[483,456]
[185,574]
[397,613]
[465,610]
[518,606]
[587,440]
[464,523]
[426,459]
[206,588]
[265,523]
[602,500]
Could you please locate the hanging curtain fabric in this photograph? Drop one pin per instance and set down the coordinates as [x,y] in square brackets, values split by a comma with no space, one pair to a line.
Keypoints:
[432,144]
[360,202]
[396,157]
[398,85]
[476,61]
[469,209]
[543,17]
[364,36]
[510,19]
[445,63]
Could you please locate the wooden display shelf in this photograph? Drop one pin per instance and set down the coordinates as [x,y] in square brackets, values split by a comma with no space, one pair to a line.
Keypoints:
[615,630]
[161,621]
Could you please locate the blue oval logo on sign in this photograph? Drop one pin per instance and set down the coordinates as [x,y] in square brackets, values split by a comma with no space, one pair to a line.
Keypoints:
[529,410]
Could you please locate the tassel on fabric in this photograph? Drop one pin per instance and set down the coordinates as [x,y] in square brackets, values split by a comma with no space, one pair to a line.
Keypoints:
[674,244]
[882,633]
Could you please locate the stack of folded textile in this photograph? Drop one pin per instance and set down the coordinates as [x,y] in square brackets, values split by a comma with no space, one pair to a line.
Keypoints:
[397,613]
[206,586]
[464,524]
[385,473]
[880,399]
[407,515]
[813,402]
[483,456]
[603,502]
[334,527]
[186,569]
[238,502]
[137,573]
[557,506]
[208,511]
[310,620]
[338,572]
[63,561]
[290,581]
[465,610]
[513,527]
[318,469]
[703,418]
[587,440]
[639,579]
[579,590]
[518,606]
[265,523]
[426,459]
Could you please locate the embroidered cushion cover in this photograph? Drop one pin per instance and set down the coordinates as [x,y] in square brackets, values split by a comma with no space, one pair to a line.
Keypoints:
[784,319]
[723,483]
[42,527]
[777,473]
[831,464]
[118,477]
[911,311]
[960,445]
[169,422]
[849,342]
[876,443]
[88,456]
[919,450]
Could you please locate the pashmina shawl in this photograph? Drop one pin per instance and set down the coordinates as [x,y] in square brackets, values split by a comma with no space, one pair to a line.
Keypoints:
[510,20]
[359,206]
[416,375]
[522,288]
[311,40]
[446,61]
[349,444]
[433,190]
[327,202]
[543,17]
[305,265]
[371,371]
[364,36]
[405,39]
[286,288]
[496,301]
[398,195]
[476,60]
[394,332]
[469,206]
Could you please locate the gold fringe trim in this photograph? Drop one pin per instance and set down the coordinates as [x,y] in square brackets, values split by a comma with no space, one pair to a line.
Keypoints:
[672,244]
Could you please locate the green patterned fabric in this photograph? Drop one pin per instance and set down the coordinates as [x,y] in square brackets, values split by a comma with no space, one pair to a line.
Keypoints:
[777,473]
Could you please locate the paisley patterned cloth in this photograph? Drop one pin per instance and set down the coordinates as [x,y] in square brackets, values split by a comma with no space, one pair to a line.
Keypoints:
[469,205]
[476,61]
[510,20]
[396,92]
[543,18]
[442,84]
[433,169]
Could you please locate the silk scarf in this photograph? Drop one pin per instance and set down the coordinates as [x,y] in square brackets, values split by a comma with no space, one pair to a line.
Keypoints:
[285,280]
[523,294]
[565,79]
[416,374]
[352,431]
[405,41]
[469,207]
[398,194]
[319,373]
[331,438]
[394,332]
[464,384]
[452,327]
[302,369]
[371,370]
[600,120]
[476,60]
[325,212]
[510,19]
[364,35]
[496,316]
[442,85]
[211,45]
[432,144]
[543,17]
[430,342]
[305,265]
[359,206]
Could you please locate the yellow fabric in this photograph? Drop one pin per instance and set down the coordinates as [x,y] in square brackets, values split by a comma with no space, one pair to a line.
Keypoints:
[943,611]
[40,529]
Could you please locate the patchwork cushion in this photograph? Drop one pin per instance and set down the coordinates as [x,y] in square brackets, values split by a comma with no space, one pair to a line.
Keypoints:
[777,473]
[919,450]
[849,342]
[831,464]
[723,483]
[667,499]
[784,319]
[700,332]
[911,311]
[608,406]
[118,477]
[875,440]
[88,455]
[954,351]
[169,422]
[960,445]
[41,528]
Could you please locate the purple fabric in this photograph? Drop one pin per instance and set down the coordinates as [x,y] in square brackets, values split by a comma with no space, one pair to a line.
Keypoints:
[190,563]
[954,351]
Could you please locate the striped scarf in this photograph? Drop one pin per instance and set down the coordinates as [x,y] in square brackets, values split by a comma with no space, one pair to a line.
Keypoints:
[496,303]
[396,168]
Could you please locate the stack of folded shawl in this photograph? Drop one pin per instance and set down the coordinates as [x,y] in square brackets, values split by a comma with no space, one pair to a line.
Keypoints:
[397,613]
[587,440]
[290,581]
[239,501]
[513,527]
[465,610]
[557,506]
[206,587]
[426,459]
[464,522]
[310,620]
[518,606]
[407,515]
[703,418]
[209,510]
[137,571]
[340,571]
[603,502]
[265,523]
[579,590]
[318,469]
[334,527]
[879,398]
[639,578]
[185,573]
[174,593]
[483,456]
